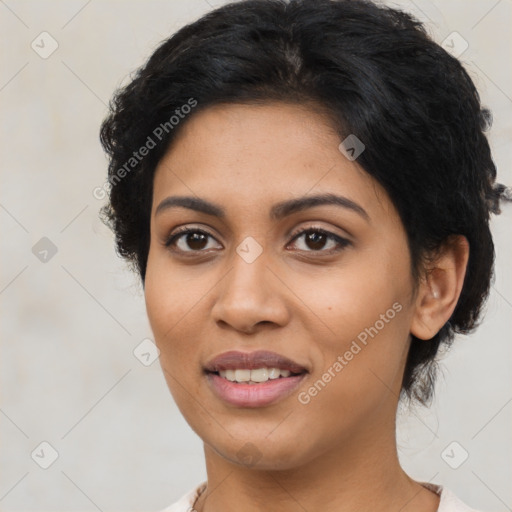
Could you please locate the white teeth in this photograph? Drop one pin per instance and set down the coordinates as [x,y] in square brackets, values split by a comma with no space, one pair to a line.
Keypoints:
[255,376]
[230,375]
[274,373]
[242,375]
[259,375]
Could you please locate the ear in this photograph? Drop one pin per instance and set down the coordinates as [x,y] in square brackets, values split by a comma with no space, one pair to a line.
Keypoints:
[440,288]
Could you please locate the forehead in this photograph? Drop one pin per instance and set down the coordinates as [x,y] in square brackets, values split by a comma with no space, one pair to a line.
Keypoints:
[247,155]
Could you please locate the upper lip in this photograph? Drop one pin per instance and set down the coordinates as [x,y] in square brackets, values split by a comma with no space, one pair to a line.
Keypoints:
[234,360]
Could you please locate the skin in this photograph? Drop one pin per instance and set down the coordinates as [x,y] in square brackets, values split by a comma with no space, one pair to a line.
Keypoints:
[301,300]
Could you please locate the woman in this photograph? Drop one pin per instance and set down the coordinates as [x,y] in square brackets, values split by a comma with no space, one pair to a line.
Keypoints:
[304,188]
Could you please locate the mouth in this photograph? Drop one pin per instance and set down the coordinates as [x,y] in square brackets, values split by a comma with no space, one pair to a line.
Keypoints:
[257,376]
[253,379]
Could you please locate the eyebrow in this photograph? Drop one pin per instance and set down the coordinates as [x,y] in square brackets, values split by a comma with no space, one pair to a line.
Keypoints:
[277,212]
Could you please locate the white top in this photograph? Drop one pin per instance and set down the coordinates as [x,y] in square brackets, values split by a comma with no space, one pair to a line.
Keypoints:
[448,501]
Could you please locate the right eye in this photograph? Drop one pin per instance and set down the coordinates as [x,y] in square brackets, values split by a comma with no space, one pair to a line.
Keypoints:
[189,240]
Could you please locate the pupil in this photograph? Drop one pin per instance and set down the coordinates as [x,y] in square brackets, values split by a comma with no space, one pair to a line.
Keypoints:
[196,241]
[315,240]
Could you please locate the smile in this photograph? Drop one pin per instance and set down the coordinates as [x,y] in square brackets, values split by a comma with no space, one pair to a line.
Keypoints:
[254,376]
[255,379]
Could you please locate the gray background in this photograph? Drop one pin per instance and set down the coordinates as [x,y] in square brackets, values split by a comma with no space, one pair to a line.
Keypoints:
[70,324]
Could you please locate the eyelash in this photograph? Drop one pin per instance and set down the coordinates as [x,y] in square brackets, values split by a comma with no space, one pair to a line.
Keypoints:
[342,242]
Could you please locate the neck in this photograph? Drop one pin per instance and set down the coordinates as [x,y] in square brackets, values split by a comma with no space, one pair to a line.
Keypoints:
[362,474]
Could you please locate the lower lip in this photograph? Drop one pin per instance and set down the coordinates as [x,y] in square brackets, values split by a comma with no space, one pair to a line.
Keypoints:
[253,395]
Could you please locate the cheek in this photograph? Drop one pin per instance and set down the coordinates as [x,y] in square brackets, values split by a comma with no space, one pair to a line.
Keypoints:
[352,298]
[170,304]
[366,309]
[170,307]
[171,294]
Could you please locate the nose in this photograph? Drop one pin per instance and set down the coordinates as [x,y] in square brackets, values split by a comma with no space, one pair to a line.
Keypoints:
[250,296]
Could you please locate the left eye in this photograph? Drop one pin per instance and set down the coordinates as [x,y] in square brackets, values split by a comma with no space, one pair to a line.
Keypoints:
[314,240]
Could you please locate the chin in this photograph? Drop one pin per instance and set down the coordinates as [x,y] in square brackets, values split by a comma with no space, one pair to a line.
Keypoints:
[259,453]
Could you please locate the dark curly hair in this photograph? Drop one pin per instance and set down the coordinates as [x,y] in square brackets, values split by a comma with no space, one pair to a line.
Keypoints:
[374,72]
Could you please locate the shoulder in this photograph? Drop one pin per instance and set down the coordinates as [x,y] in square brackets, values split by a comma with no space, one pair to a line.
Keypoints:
[185,503]
[448,501]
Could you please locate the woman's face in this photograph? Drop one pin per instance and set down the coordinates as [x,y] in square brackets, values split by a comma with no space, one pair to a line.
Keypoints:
[335,300]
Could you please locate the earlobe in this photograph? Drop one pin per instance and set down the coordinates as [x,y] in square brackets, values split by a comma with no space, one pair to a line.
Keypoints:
[440,288]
